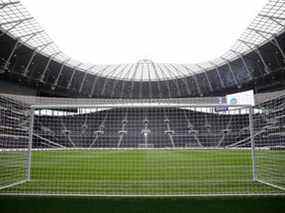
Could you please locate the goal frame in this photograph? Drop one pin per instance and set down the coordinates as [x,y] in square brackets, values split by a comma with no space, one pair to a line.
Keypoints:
[250,109]
[28,149]
[157,105]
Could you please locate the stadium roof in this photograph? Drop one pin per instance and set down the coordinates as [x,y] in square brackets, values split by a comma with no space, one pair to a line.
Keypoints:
[18,23]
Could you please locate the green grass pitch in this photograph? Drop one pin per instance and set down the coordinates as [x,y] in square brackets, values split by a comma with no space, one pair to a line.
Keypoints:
[140,172]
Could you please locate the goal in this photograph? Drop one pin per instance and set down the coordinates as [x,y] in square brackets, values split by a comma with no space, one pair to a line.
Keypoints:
[15,143]
[269,128]
[141,149]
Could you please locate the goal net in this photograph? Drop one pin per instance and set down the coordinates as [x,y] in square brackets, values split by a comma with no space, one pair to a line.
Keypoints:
[142,149]
[270,143]
[15,151]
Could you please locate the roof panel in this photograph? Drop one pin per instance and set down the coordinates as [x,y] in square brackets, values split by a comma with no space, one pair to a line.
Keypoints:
[16,21]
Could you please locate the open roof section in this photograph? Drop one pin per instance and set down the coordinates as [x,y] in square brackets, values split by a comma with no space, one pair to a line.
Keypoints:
[18,22]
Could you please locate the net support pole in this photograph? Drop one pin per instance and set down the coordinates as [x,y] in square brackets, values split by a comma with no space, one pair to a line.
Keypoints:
[30,144]
[252,142]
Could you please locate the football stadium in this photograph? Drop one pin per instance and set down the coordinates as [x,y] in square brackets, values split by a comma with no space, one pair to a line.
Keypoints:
[68,128]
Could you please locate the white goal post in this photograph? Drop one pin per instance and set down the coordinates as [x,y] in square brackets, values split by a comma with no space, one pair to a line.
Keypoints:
[16,129]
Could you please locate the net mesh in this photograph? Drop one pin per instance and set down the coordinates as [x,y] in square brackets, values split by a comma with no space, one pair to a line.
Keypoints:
[14,143]
[143,149]
[270,142]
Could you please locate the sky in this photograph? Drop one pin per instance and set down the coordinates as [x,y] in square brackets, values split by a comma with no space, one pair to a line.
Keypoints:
[126,31]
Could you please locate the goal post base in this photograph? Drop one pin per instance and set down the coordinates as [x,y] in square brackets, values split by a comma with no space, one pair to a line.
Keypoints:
[270,184]
[13,184]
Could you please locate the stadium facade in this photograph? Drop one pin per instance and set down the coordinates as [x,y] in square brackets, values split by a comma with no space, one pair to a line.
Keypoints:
[30,58]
